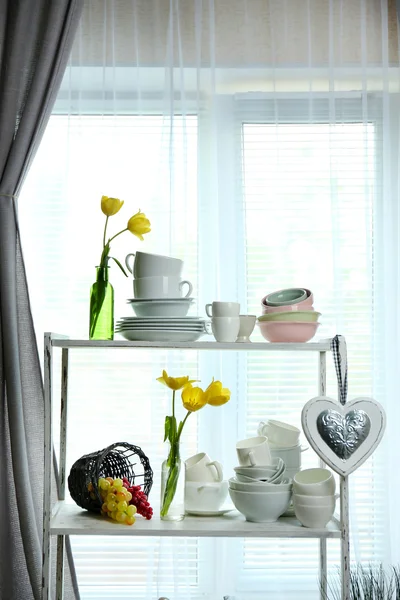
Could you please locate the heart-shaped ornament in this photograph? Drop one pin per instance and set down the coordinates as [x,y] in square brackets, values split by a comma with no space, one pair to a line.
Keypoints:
[343,436]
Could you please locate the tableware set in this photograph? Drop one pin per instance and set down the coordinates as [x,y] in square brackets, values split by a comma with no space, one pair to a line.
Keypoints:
[314,497]
[258,489]
[160,309]
[205,489]
[283,441]
[227,324]
[288,315]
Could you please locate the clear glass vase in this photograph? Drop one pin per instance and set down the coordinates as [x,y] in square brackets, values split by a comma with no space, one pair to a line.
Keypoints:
[101,325]
[172,501]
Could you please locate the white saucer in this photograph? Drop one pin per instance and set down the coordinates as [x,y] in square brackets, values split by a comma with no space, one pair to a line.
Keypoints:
[209,513]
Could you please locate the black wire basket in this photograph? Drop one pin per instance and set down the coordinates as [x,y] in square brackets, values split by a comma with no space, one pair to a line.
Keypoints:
[118,460]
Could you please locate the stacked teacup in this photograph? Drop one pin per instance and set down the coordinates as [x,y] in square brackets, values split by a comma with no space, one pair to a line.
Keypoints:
[227,324]
[283,440]
[156,276]
[314,497]
[258,490]
[205,489]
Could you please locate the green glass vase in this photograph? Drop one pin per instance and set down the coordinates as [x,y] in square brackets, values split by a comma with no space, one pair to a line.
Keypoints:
[172,485]
[101,326]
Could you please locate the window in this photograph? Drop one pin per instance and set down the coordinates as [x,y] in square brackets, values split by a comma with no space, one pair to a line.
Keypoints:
[297,182]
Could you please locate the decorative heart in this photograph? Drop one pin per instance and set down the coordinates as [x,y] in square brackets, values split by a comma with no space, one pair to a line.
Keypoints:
[343,436]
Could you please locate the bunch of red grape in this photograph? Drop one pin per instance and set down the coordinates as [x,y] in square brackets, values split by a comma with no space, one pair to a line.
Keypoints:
[139,499]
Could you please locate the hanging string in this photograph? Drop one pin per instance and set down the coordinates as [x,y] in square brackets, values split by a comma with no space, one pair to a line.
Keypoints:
[339,351]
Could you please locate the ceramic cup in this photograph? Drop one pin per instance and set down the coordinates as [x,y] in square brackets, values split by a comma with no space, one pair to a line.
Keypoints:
[223,309]
[247,323]
[201,468]
[160,286]
[254,452]
[205,496]
[314,482]
[281,434]
[225,329]
[150,265]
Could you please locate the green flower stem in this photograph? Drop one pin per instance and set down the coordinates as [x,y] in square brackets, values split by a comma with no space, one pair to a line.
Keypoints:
[173,405]
[119,233]
[181,426]
[104,234]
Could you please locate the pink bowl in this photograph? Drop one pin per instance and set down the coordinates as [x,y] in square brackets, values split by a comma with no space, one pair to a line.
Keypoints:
[287,331]
[306,304]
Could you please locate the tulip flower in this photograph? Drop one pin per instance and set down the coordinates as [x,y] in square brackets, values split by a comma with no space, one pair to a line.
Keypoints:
[139,225]
[110,206]
[193,398]
[216,395]
[174,383]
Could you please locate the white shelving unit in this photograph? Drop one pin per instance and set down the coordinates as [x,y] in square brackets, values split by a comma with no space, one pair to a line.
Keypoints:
[63,519]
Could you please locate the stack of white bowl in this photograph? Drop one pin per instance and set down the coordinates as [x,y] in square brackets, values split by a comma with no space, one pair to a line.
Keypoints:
[283,440]
[160,308]
[258,490]
[205,488]
[314,497]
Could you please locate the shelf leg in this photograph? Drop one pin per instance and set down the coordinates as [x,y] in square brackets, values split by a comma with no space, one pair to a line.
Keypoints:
[48,445]
[323,571]
[63,423]
[345,538]
[60,568]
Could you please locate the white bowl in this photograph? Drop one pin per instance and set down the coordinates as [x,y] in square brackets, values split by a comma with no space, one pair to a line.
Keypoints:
[281,434]
[313,516]
[262,472]
[205,496]
[261,507]
[315,500]
[179,307]
[259,486]
[314,482]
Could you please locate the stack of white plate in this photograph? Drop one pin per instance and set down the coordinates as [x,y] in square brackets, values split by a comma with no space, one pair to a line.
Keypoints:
[161,329]
[161,307]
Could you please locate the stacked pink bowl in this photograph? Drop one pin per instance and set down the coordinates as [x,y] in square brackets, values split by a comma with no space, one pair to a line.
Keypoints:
[288,316]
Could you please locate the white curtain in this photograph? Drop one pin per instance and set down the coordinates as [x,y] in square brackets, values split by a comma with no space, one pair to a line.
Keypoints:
[261,138]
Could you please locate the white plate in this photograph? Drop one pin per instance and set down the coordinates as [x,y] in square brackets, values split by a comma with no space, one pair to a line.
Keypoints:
[153,335]
[137,300]
[208,513]
[158,328]
[163,319]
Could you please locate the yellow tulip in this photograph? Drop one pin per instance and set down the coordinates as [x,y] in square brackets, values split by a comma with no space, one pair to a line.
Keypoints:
[174,383]
[110,206]
[193,398]
[216,395]
[139,225]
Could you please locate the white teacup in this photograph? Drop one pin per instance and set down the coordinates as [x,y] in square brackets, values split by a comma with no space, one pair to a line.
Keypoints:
[223,309]
[204,496]
[201,468]
[254,452]
[314,482]
[150,265]
[281,434]
[225,329]
[160,286]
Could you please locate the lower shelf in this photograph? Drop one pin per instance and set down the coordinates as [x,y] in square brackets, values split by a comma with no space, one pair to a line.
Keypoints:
[69,519]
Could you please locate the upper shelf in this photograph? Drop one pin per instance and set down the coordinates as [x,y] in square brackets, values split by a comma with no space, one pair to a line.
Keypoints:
[62,342]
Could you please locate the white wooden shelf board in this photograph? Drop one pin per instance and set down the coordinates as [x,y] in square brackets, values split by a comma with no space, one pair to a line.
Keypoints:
[322,346]
[69,519]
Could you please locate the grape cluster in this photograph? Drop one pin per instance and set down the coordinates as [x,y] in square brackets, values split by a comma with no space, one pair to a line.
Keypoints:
[116,500]
[138,499]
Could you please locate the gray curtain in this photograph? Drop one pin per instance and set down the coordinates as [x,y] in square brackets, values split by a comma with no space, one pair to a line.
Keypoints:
[35,41]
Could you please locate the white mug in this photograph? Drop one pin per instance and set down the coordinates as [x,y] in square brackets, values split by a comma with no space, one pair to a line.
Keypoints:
[160,287]
[314,482]
[200,467]
[254,452]
[150,265]
[225,329]
[205,496]
[223,309]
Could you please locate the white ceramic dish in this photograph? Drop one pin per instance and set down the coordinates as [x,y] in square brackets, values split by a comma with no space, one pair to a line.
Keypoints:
[291,456]
[280,434]
[162,308]
[261,507]
[207,513]
[138,300]
[262,472]
[164,319]
[160,327]
[313,516]
[315,500]
[154,335]
[259,486]
[205,496]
